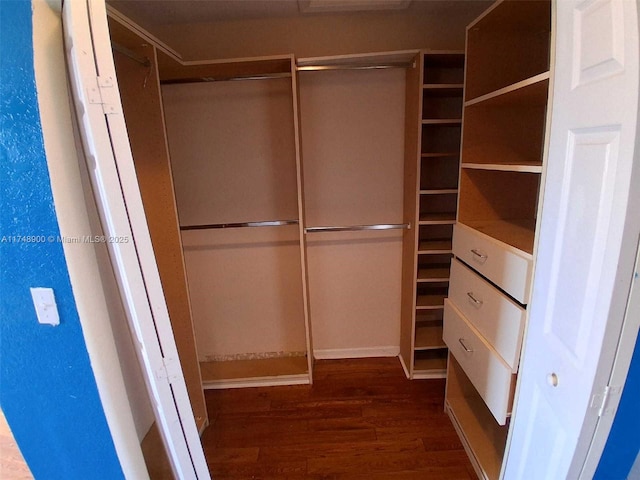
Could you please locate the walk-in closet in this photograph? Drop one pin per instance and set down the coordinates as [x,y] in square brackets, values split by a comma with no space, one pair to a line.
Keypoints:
[348,196]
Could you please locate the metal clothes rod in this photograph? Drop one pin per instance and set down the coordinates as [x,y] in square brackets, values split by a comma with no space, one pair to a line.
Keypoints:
[354,66]
[260,76]
[131,54]
[266,223]
[354,228]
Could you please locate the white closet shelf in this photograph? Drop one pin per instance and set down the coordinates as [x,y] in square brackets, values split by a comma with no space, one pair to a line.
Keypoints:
[430,302]
[530,91]
[523,167]
[402,58]
[172,71]
[498,158]
[446,218]
[433,273]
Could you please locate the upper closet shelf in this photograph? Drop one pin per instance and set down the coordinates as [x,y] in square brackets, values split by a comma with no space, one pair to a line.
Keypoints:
[497,157]
[172,71]
[531,91]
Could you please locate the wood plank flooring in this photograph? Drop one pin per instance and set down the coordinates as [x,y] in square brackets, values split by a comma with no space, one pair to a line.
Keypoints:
[361,419]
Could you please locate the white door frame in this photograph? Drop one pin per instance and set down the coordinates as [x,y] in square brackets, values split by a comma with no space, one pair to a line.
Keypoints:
[113,177]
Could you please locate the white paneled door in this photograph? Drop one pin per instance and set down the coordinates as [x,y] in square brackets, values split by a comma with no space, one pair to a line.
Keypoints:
[584,260]
[114,182]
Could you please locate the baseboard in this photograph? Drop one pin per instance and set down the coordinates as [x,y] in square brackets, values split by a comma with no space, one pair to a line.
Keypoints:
[367,352]
[404,367]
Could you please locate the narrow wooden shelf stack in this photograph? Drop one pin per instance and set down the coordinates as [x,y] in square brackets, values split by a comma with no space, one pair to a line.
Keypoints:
[507,77]
[435,117]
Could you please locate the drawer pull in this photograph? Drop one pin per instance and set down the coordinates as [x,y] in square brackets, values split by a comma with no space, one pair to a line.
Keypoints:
[481,256]
[466,349]
[476,302]
[552,379]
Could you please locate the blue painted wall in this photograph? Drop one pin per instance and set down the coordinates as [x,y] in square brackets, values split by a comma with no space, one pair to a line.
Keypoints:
[623,443]
[47,388]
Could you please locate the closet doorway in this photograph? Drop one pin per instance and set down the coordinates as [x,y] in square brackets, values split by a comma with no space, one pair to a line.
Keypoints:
[301,223]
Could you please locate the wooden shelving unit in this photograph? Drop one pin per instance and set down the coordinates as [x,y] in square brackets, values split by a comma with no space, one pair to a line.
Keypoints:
[216,212]
[435,118]
[502,161]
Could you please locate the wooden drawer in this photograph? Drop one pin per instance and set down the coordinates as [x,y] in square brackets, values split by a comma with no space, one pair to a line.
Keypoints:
[498,318]
[504,265]
[488,373]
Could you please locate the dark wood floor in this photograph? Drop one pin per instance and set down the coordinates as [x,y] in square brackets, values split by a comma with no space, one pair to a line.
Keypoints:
[361,419]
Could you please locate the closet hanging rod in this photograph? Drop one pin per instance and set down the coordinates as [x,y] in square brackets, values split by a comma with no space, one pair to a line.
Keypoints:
[259,76]
[355,228]
[352,66]
[266,223]
[131,54]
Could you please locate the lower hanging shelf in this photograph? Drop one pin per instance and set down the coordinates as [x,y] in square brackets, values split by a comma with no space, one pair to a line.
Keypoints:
[255,372]
[482,437]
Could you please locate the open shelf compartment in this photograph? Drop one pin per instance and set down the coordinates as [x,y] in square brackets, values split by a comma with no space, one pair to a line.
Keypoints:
[483,439]
[501,205]
[438,172]
[507,44]
[443,68]
[430,363]
[506,132]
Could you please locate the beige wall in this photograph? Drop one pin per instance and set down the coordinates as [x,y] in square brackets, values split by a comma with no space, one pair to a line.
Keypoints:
[233,160]
[353,155]
[320,35]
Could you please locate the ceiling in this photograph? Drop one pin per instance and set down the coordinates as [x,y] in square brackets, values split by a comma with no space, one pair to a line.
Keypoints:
[150,13]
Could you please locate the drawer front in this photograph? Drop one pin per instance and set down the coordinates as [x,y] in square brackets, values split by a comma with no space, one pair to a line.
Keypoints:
[490,375]
[498,318]
[507,267]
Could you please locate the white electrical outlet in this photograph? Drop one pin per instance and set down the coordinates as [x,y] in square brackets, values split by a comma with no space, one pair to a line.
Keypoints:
[46,308]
